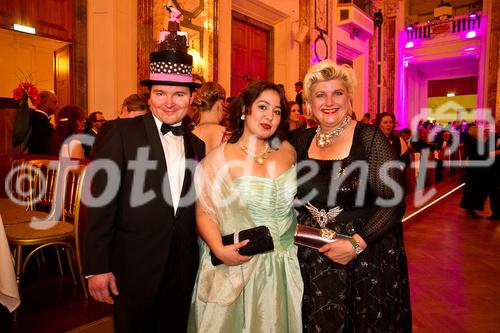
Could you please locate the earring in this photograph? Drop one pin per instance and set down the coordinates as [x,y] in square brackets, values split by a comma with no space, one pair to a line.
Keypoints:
[242,117]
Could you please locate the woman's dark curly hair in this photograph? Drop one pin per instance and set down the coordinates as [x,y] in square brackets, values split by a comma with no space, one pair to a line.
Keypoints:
[393,135]
[243,103]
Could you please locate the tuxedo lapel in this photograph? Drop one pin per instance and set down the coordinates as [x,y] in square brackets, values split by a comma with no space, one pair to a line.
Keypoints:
[157,154]
[188,177]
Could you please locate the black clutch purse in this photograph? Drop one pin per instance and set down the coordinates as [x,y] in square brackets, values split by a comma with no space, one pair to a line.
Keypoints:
[260,241]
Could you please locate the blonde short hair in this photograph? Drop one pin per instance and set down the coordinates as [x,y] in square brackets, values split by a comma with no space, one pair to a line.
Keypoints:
[327,70]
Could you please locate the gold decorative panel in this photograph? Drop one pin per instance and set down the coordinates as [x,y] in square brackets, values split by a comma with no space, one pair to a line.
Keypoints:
[199,19]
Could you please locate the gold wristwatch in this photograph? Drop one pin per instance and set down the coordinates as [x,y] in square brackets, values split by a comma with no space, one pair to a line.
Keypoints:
[355,245]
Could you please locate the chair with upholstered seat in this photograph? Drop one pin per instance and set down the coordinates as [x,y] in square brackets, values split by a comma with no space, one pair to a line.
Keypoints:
[53,230]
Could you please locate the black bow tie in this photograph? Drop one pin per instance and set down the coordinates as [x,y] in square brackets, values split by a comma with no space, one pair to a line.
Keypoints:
[176,130]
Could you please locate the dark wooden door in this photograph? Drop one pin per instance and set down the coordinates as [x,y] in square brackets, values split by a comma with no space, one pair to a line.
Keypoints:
[63,75]
[249,47]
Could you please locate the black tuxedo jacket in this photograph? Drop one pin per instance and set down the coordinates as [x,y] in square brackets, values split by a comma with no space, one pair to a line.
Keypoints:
[41,134]
[134,242]
[86,148]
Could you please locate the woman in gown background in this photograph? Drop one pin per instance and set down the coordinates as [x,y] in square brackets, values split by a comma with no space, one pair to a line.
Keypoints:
[70,121]
[357,285]
[209,115]
[247,182]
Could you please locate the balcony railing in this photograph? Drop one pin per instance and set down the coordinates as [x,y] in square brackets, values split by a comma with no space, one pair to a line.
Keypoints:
[452,25]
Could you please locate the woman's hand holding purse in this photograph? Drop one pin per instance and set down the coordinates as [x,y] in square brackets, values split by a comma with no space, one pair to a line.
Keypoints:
[229,254]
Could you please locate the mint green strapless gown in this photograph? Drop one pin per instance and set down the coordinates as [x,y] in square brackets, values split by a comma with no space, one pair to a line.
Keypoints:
[272,295]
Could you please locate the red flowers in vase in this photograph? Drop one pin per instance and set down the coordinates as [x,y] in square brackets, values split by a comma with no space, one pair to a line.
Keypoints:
[25,91]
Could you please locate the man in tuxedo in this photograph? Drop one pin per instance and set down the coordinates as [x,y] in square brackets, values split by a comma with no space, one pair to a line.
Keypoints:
[92,127]
[41,129]
[140,248]
[96,120]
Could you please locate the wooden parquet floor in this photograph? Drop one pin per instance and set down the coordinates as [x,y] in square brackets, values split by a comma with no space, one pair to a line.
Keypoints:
[454,268]
[454,265]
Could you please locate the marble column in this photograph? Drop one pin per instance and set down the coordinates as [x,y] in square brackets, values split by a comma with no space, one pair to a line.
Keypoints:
[493,92]
[305,47]
[145,40]
[80,95]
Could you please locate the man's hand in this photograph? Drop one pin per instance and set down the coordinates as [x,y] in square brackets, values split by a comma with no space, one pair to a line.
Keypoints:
[100,285]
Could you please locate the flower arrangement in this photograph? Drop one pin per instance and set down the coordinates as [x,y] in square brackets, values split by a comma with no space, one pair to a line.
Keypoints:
[25,93]
[28,96]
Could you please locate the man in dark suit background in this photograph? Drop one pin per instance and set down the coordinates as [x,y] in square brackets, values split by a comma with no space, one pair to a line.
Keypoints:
[92,127]
[140,248]
[41,129]
[95,122]
[299,87]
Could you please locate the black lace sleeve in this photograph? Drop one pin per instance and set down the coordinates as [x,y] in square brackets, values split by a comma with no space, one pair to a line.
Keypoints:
[301,139]
[379,151]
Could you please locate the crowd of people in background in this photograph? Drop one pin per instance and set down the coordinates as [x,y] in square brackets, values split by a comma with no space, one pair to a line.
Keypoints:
[209,115]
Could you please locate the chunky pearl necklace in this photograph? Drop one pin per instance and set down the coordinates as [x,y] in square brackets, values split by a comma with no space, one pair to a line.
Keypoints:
[258,158]
[325,139]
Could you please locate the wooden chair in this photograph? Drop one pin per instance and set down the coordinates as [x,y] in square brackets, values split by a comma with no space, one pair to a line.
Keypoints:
[80,221]
[26,178]
[52,231]
[16,188]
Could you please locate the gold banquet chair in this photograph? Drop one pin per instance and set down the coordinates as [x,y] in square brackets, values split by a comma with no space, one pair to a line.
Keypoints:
[80,221]
[22,180]
[42,234]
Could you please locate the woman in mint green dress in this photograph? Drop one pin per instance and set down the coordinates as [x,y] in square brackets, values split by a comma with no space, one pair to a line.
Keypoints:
[249,181]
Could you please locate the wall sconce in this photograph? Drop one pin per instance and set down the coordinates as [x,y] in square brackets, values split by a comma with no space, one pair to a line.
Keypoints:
[302,30]
[378,18]
[302,34]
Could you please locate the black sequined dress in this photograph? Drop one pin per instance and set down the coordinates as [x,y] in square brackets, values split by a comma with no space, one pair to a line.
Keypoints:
[371,293]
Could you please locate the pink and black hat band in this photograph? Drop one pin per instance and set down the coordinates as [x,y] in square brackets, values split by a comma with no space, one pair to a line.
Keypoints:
[172,68]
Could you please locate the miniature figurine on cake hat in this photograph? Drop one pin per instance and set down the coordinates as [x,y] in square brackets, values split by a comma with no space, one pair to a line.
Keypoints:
[174,19]
[171,64]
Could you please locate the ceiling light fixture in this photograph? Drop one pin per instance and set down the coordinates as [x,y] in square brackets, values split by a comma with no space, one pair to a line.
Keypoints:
[23,28]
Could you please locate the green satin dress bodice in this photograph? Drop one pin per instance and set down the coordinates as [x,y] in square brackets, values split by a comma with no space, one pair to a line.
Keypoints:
[270,300]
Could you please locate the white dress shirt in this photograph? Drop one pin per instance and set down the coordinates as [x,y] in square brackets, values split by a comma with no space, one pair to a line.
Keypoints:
[173,148]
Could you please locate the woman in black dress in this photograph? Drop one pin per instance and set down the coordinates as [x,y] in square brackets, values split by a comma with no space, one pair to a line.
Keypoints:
[357,284]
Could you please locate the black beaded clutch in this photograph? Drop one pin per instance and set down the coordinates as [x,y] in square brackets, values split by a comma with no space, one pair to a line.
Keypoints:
[260,241]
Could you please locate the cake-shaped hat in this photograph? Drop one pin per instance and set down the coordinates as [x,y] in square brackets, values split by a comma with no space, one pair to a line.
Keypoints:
[171,65]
